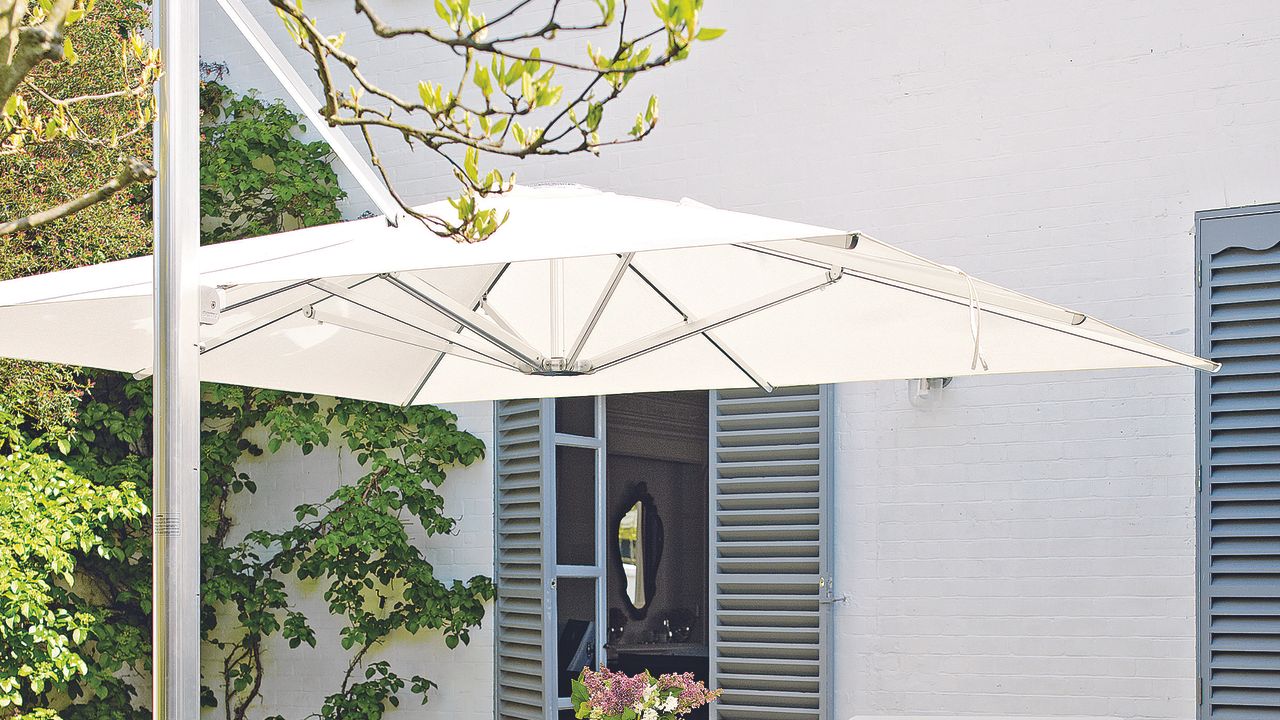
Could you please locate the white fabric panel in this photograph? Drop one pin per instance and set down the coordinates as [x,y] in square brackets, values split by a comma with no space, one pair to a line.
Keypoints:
[880,313]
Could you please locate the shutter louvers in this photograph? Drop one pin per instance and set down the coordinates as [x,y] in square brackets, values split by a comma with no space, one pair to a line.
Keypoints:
[521,567]
[769,552]
[1238,410]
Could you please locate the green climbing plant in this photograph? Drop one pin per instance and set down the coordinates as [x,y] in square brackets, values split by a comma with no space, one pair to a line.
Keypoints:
[356,541]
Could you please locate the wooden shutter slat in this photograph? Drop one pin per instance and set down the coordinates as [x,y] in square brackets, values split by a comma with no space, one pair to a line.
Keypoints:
[521,563]
[769,557]
[1238,413]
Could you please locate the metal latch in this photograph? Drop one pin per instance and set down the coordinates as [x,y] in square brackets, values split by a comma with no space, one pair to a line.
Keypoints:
[826,592]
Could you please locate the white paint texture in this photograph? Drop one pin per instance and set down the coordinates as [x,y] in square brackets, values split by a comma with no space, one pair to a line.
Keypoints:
[1019,545]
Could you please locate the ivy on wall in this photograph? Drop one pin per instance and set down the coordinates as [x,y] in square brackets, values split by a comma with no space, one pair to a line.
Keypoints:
[357,541]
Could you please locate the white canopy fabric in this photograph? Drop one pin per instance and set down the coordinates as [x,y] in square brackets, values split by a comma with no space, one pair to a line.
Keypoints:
[581,292]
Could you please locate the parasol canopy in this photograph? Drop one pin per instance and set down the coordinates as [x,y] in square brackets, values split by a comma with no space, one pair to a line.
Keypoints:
[581,292]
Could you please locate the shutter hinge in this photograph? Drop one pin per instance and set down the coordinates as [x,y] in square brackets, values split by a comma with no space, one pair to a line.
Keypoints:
[1199,690]
[827,592]
[1199,272]
[1199,474]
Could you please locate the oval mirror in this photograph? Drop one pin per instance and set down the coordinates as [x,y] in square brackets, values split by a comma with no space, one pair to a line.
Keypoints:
[638,533]
[631,550]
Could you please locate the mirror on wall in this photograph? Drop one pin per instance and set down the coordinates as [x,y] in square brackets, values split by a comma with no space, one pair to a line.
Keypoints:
[638,533]
[631,549]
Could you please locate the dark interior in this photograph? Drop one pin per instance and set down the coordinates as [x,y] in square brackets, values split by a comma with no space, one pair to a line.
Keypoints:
[656,458]
[657,450]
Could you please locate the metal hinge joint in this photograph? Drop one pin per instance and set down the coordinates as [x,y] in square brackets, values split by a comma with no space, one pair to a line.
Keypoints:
[827,592]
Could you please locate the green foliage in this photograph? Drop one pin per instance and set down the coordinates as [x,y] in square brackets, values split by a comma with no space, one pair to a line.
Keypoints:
[256,175]
[40,112]
[85,588]
[49,517]
[50,173]
[88,627]
[354,541]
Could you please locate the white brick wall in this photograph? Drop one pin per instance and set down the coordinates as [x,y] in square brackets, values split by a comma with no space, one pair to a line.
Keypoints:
[1020,545]
[299,679]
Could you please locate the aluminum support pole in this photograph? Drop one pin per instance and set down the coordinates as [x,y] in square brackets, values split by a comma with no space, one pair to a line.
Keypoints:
[176,429]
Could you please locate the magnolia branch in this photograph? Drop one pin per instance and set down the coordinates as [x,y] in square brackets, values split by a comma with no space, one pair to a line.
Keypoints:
[34,45]
[505,100]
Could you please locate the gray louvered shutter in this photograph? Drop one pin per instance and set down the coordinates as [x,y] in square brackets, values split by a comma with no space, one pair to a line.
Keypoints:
[770,536]
[1238,324]
[521,562]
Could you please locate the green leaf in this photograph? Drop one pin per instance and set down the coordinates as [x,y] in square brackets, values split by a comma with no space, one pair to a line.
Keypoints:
[595,112]
[526,89]
[483,81]
[706,34]
[470,164]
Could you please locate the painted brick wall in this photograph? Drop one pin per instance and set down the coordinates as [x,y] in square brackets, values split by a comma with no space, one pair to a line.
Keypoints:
[1012,546]
[299,679]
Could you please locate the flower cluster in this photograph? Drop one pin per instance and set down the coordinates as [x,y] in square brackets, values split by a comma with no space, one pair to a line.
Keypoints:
[609,695]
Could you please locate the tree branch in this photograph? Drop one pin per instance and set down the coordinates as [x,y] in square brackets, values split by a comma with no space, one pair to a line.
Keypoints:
[132,172]
[11,14]
[459,120]
[35,43]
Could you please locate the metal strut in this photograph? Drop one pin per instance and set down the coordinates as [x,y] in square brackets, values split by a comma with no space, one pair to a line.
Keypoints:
[711,337]
[486,328]
[385,309]
[682,330]
[624,262]
[307,101]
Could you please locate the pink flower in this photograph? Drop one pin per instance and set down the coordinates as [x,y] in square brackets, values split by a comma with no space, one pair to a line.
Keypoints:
[609,694]
[693,693]
[613,692]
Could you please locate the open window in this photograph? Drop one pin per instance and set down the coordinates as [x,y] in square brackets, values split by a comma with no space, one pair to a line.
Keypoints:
[669,532]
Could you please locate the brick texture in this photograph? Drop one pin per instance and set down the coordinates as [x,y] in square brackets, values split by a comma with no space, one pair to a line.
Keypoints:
[1014,545]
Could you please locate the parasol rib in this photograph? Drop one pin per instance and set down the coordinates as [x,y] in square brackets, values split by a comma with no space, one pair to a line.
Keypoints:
[711,337]
[688,328]
[493,333]
[478,301]
[392,313]
[434,343]
[624,262]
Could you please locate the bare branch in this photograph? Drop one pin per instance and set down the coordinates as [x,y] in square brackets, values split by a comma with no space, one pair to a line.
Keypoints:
[132,172]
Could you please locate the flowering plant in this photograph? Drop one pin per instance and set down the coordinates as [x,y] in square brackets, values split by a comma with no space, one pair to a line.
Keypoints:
[609,695]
